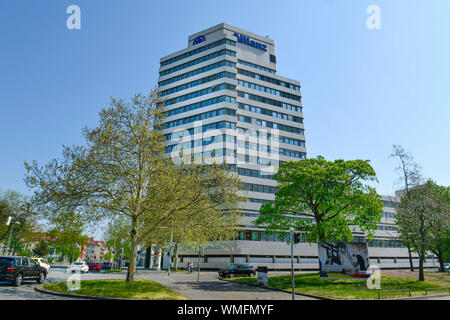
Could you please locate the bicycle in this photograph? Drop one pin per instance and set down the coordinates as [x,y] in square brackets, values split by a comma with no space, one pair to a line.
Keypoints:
[187,270]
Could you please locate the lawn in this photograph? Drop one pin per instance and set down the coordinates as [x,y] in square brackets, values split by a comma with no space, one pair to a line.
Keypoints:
[140,289]
[310,283]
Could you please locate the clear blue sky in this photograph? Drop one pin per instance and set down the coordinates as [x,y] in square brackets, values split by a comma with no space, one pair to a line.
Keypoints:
[363,90]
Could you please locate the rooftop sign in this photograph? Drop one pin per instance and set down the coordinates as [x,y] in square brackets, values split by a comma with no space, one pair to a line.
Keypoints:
[246,40]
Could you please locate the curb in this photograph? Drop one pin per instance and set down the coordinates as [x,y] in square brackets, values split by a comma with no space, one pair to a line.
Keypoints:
[419,297]
[281,290]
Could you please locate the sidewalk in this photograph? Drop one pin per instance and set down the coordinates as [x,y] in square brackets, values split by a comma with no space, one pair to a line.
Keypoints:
[209,287]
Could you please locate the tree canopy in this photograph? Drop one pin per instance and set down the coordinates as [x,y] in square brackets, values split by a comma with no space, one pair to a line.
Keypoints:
[323,199]
[123,171]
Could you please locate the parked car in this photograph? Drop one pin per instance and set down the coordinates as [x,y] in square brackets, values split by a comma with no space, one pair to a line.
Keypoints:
[106,266]
[95,266]
[80,267]
[447,266]
[17,269]
[43,263]
[238,270]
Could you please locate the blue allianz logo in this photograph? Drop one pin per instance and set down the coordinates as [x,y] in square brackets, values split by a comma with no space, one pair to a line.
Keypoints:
[198,40]
[246,40]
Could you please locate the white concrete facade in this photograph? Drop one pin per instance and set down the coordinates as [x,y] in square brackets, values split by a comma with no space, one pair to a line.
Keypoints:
[240,66]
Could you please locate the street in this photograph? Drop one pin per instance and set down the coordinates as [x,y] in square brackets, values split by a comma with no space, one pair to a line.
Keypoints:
[209,287]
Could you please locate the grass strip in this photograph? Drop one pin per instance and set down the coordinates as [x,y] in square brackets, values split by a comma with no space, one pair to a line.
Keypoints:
[311,283]
[118,288]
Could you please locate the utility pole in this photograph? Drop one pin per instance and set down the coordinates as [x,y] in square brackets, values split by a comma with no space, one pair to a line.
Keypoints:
[292,263]
[10,233]
[170,251]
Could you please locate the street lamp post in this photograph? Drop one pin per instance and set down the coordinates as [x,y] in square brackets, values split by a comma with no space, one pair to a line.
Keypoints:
[10,233]
[292,264]
[170,251]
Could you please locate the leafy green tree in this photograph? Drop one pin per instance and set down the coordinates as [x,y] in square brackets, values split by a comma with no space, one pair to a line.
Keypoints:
[5,213]
[122,171]
[117,237]
[23,222]
[41,249]
[439,240]
[67,234]
[423,216]
[323,199]
[107,256]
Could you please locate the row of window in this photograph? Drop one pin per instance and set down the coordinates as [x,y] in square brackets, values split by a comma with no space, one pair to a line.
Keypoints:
[388,228]
[183,76]
[390,204]
[388,215]
[223,86]
[269,101]
[201,116]
[293,154]
[200,104]
[252,65]
[268,136]
[269,124]
[262,236]
[198,82]
[269,79]
[202,142]
[268,149]
[197,61]
[259,188]
[269,90]
[385,244]
[214,139]
[284,237]
[249,159]
[198,50]
[271,113]
[251,200]
[196,130]
[254,173]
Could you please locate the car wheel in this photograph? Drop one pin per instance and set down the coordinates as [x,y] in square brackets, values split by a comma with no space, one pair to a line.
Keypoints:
[41,278]
[18,280]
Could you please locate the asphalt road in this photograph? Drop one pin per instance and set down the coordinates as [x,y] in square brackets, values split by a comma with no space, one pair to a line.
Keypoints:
[209,287]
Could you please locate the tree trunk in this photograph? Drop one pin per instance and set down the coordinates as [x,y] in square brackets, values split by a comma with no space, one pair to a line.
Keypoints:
[441,262]
[421,259]
[175,262]
[133,251]
[411,265]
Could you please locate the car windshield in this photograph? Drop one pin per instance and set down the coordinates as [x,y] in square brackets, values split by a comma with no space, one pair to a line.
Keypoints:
[5,261]
[78,263]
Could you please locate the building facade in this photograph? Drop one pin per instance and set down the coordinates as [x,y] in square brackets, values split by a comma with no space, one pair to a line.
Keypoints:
[94,251]
[226,102]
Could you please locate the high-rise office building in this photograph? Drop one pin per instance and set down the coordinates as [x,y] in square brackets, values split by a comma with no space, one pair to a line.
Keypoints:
[225,101]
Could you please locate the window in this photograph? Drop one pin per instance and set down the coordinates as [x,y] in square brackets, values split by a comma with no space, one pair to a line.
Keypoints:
[273,59]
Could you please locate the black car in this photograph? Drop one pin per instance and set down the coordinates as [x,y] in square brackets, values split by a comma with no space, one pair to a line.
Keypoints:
[17,269]
[237,270]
